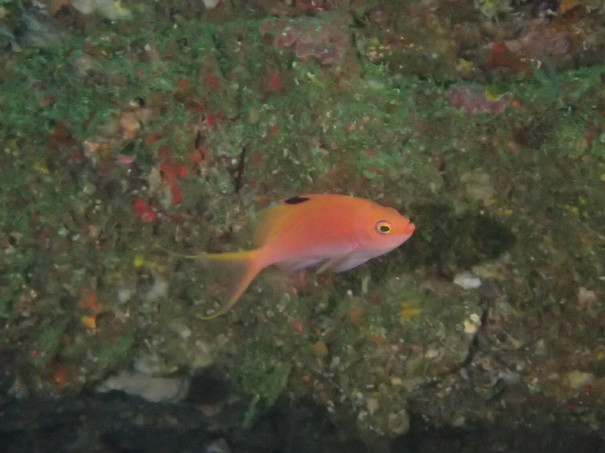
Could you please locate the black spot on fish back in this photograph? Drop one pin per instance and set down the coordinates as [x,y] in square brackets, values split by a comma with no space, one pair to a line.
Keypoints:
[296,200]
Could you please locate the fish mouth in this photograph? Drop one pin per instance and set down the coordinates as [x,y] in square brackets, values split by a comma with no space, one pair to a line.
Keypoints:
[409,228]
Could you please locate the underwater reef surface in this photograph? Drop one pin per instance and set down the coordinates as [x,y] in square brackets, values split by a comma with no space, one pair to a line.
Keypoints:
[136,133]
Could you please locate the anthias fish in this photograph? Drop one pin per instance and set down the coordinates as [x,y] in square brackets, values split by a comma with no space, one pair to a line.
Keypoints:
[337,232]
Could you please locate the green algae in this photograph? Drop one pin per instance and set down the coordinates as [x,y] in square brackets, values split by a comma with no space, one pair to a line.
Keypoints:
[264,379]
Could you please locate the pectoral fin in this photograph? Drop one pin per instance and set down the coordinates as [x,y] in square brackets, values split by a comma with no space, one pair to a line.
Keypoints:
[346,262]
[289,267]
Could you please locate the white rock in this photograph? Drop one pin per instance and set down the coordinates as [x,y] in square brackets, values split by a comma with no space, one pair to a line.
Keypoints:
[372,405]
[150,388]
[467,280]
[158,290]
[211,3]
[586,296]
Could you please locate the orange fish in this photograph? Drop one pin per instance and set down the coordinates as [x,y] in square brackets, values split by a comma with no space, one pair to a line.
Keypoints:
[338,231]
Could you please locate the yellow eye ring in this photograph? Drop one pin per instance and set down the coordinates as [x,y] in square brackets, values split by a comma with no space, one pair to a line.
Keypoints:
[383,227]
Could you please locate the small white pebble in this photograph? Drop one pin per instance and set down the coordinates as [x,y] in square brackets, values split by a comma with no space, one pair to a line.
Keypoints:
[586,296]
[124,295]
[432,353]
[396,381]
[211,3]
[471,324]
[467,280]
[372,405]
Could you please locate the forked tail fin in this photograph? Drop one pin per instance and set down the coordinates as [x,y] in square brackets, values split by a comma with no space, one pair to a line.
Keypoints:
[238,269]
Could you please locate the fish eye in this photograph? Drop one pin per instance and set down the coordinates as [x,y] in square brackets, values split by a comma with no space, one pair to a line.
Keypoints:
[383,227]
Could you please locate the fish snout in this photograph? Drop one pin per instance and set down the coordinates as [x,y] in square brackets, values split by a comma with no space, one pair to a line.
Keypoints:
[409,228]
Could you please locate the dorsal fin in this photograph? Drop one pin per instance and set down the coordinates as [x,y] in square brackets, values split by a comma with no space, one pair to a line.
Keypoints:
[296,200]
[269,219]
